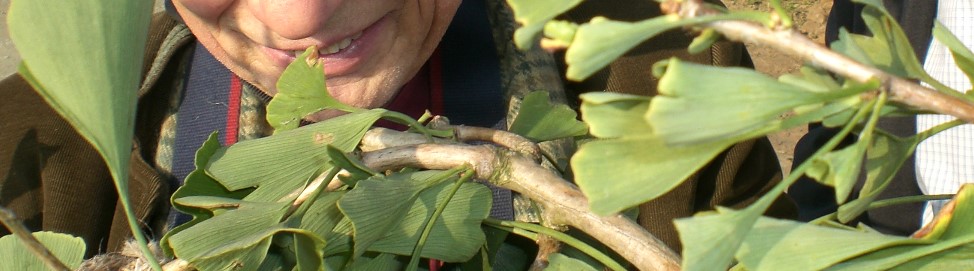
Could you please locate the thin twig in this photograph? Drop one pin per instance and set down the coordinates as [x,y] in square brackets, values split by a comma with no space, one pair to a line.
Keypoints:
[10,221]
[793,43]
[562,199]
[381,138]
[505,139]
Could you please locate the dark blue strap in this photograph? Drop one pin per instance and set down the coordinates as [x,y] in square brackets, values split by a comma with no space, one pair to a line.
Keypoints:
[472,92]
[470,77]
[203,110]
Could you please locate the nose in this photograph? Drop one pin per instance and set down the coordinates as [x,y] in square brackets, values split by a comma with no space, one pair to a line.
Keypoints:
[295,19]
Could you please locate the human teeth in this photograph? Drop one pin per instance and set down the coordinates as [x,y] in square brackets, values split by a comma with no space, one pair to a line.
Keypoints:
[338,46]
[334,48]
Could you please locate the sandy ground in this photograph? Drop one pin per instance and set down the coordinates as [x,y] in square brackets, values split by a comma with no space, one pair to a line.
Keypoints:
[809,15]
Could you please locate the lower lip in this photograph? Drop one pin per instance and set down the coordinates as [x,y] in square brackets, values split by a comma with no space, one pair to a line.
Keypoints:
[344,61]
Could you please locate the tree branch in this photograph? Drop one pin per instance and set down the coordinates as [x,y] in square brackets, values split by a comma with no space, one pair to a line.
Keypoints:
[505,139]
[563,200]
[795,44]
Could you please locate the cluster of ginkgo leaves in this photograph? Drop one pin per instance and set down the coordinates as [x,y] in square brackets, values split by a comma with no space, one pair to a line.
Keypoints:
[247,211]
[702,110]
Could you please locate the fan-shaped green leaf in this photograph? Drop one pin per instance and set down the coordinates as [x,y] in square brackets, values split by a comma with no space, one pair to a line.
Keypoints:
[539,120]
[301,91]
[235,239]
[839,169]
[788,245]
[616,174]
[388,215]
[85,59]
[288,159]
[962,55]
[711,239]
[68,249]
[197,183]
[308,252]
[731,103]
[376,204]
[323,215]
[612,115]
[884,157]
[600,41]
[952,231]
[896,256]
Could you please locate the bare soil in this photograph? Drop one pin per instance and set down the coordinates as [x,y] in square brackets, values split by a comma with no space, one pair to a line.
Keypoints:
[809,17]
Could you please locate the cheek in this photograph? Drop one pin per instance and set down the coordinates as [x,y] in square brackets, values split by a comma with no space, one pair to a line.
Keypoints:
[206,9]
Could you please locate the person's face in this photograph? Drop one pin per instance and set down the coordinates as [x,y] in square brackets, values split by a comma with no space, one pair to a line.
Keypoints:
[370,48]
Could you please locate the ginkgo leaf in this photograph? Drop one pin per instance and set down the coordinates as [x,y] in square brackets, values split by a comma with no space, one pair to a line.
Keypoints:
[711,239]
[961,53]
[839,169]
[197,183]
[951,234]
[775,244]
[616,174]
[884,157]
[68,249]
[601,40]
[389,213]
[85,59]
[612,115]
[533,14]
[540,120]
[301,91]
[236,239]
[279,164]
[731,103]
